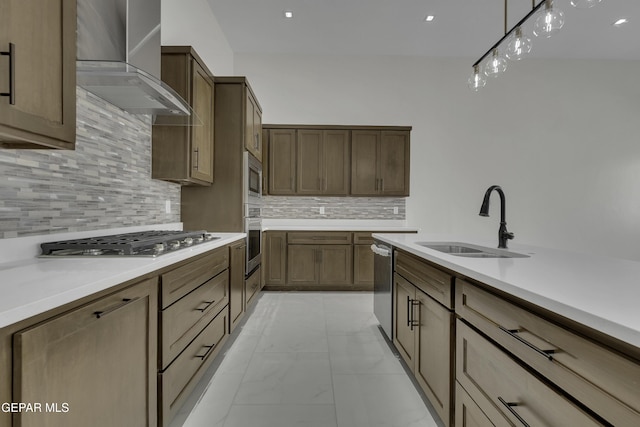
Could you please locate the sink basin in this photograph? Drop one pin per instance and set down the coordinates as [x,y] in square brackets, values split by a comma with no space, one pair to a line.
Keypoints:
[470,251]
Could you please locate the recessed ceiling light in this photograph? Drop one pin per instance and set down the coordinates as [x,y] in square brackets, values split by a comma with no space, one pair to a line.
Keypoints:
[288,14]
[620,22]
[429,18]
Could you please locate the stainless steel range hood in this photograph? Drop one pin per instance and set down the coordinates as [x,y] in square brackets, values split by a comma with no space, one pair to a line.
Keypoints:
[119,56]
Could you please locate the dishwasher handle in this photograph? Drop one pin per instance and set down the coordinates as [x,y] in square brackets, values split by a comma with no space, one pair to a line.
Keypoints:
[380,251]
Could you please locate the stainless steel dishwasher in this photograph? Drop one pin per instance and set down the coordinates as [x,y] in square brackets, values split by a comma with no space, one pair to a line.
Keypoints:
[382,285]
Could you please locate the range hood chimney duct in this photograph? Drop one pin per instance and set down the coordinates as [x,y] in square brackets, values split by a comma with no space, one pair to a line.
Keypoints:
[118,57]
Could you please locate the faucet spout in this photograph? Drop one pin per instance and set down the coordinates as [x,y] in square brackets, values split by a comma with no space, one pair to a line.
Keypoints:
[503,234]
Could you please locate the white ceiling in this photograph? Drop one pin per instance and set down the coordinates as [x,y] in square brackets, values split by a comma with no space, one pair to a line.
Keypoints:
[462,28]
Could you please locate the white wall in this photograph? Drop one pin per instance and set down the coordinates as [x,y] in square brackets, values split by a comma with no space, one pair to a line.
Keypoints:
[560,137]
[192,23]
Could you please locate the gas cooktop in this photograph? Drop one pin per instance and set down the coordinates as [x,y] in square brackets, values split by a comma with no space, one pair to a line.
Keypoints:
[143,243]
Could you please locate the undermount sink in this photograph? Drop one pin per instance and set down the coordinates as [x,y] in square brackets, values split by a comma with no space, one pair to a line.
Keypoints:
[470,251]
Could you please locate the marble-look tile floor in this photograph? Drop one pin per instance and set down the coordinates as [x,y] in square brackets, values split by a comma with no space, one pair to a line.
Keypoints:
[313,359]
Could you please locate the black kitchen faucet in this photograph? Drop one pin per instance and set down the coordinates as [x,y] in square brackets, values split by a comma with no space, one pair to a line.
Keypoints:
[503,234]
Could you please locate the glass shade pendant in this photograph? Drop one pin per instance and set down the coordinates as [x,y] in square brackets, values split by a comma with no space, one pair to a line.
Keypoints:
[549,22]
[584,4]
[519,46]
[477,80]
[496,65]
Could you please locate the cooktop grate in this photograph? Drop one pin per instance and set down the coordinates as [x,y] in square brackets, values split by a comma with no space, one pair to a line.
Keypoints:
[148,243]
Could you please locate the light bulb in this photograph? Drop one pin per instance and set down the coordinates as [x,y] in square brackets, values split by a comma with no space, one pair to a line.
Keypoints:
[519,46]
[584,4]
[477,80]
[496,65]
[549,22]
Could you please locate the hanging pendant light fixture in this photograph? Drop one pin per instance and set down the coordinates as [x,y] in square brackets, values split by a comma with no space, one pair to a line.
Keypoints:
[496,65]
[549,22]
[519,46]
[477,80]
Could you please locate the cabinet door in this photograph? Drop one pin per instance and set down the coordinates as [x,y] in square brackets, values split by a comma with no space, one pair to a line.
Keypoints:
[335,264]
[275,258]
[253,127]
[302,263]
[364,162]
[202,136]
[394,164]
[282,158]
[403,329]
[257,131]
[309,162]
[43,114]
[99,359]
[336,163]
[185,154]
[468,414]
[237,256]
[363,266]
[434,351]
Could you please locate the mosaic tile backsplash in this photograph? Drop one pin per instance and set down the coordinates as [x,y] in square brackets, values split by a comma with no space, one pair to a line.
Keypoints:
[104,183]
[280,207]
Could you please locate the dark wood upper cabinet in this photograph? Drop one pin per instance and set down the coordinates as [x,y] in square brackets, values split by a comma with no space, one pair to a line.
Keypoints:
[380,163]
[307,160]
[253,122]
[185,154]
[38,41]
[282,162]
[323,162]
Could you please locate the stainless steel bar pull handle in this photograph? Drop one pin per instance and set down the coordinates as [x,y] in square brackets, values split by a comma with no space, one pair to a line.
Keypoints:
[513,333]
[125,302]
[11,53]
[414,323]
[509,406]
[196,158]
[408,310]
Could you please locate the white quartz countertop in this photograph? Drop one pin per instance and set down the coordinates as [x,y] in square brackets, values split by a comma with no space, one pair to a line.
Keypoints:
[601,293]
[336,225]
[35,285]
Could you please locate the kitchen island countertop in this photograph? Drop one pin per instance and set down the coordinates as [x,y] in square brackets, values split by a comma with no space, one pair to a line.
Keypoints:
[599,292]
[32,286]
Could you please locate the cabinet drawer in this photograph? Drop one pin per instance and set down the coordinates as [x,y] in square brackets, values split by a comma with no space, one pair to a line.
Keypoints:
[362,238]
[603,380]
[468,413]
[435,283]
[252,286]
[505,391]
[319,238]
[182,321]
[178,380]
[182,280]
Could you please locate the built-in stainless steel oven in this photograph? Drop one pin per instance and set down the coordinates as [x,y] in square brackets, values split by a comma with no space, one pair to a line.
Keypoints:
[253,228]
[252,178]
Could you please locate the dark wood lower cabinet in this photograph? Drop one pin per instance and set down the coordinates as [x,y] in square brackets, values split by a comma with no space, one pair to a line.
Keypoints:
[424,334]
[93,366]
[320,265]
[363,266]
[275,258]
[318,260]
[237,257]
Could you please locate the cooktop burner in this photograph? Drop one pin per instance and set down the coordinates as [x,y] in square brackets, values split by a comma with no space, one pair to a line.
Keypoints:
[143,243]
